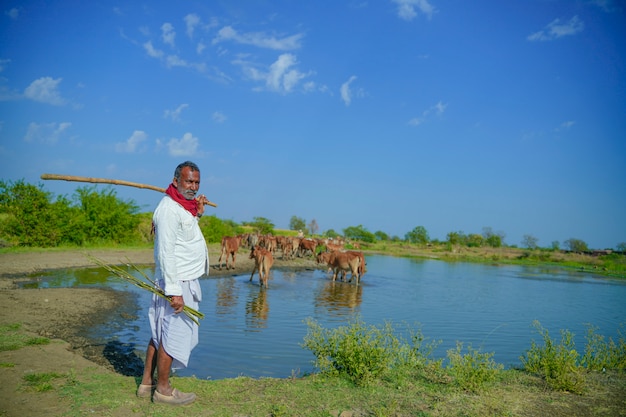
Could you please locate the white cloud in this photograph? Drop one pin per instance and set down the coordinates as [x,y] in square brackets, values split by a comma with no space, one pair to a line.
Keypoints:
[407,8]
[192,20]
[435,110]
[280,77]
[556,29]
[13,13]
[3,64]
[185,146]
[346,92]
[45,90]
[258,39]
[132,143]
[154,53]
[175,114]
[48,133]
[218,117]
[168,35]
[565,125]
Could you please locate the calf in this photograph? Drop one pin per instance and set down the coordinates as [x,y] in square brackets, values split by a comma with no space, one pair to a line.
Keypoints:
[263,261]
[230,246]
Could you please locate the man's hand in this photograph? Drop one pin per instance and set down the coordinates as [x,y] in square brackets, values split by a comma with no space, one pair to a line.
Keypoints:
[177,303]
[201,200]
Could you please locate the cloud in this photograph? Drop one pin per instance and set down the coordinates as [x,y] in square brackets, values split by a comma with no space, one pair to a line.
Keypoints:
[346,93]
[48,133]
[3,64]
[407,8]
[45,90]
[218,117]
[280,77]
[186,146]
[154,53]
[168,35]
[556,29]
[13,13]
[175,114]
[259,39]
[192,20]
[565,126]
[132,143]
[435,110]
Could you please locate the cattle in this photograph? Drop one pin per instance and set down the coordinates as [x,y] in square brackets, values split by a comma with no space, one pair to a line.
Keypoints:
[263,261]
[343,262]
[307,245]
[230,246]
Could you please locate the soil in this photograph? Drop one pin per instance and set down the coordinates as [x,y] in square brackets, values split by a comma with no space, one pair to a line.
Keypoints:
[63,315]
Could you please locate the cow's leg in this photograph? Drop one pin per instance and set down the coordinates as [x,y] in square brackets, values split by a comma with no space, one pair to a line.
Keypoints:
[254,269]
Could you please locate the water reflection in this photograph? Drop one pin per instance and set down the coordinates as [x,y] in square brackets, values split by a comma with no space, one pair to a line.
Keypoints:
[257,309]
[337,297]
[227,296]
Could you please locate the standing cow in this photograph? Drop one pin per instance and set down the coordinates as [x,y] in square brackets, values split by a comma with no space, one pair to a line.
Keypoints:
[230,246]
[342,262]
[263,261]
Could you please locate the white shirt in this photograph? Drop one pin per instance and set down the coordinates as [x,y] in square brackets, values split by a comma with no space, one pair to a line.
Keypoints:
[180,251]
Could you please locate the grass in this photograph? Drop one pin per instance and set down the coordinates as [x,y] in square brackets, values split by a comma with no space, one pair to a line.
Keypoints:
[11,338]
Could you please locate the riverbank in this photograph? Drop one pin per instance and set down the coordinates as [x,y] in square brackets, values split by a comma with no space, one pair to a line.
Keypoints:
[80,386]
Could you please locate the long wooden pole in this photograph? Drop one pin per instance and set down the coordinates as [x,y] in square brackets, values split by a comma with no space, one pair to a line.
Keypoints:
[108,181]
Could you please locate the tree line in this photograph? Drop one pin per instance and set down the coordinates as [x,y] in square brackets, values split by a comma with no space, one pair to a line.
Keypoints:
[33,217]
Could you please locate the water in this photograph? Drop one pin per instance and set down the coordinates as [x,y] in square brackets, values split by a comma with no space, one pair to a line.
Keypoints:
[258,332]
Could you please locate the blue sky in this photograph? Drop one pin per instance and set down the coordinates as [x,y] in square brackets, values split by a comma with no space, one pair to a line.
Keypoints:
[389,114]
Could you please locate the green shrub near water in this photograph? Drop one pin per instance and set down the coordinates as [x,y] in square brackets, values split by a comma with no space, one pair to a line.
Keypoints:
[601,354]
[556,362]
[473,370]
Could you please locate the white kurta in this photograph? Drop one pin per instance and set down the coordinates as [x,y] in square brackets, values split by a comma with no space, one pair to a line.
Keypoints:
[181,257]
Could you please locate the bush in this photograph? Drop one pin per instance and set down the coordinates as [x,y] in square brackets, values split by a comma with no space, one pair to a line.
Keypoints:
[473,370]
[361,353]
[556,363]
[601,354]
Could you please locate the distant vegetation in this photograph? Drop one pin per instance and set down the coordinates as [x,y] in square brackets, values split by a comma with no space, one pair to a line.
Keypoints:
[30,216]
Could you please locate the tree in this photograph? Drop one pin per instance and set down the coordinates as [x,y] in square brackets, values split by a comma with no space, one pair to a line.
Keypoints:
[575,245]
[262,225]
[495,240]
[313,227]
[330,233]
[359,233]
[380,235]
[621,247]
[297,223]
[457,238]
[529,241]
[418,235]
[556,245]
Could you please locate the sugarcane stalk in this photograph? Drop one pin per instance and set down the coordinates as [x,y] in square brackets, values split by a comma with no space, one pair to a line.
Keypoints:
[150,285]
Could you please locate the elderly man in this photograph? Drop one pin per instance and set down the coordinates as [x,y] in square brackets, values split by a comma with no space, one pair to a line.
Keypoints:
[181,257]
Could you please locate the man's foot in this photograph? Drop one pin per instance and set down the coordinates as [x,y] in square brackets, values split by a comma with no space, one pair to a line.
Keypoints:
[145,391]
[177,398]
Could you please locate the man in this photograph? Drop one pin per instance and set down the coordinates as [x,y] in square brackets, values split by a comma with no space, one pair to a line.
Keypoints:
[181,257]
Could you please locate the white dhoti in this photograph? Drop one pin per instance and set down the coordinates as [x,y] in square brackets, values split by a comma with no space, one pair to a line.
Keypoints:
[177,332]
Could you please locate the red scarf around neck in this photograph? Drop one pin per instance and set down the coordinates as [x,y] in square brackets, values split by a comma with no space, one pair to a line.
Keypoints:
[190,205]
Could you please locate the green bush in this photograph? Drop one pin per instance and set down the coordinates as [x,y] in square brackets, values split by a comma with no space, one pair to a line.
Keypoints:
[472,370]
[601,354]
[360,352]
[556,362]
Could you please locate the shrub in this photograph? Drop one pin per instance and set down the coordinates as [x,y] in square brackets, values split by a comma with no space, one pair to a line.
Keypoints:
[556,363]
[601,354]
[362,353]
[473,370]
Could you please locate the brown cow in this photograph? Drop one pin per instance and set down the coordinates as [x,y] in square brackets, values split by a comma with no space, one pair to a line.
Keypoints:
[263,261]
[230,246]
[307,245]
[345,261]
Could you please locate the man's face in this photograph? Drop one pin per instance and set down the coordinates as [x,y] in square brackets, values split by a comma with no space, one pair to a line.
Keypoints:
[188,183]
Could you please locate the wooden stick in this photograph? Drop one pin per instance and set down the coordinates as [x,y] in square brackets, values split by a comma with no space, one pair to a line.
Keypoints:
[107,181]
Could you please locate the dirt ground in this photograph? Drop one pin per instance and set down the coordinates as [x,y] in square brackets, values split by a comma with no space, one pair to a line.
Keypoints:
[63,314]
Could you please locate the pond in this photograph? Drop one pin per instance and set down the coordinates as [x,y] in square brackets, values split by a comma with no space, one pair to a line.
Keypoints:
[258,332]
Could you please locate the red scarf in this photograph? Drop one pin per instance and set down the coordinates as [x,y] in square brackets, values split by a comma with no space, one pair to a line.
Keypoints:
[190,205]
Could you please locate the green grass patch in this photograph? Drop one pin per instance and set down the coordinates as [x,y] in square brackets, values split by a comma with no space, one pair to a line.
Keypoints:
[12,338]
